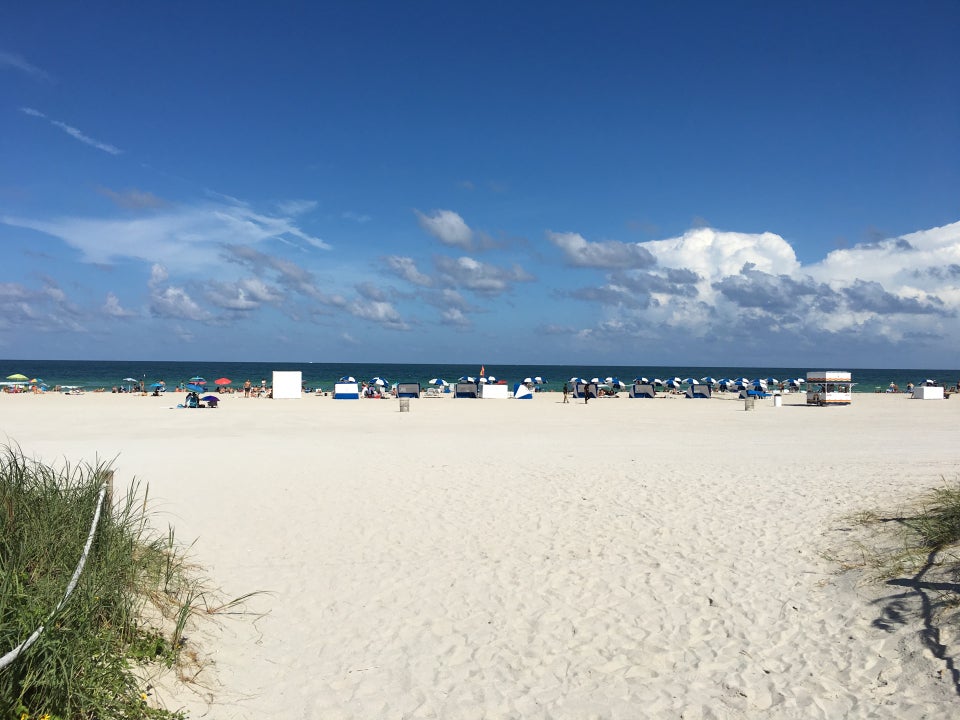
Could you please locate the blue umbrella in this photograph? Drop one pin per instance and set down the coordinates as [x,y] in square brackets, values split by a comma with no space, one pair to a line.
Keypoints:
[467,379]
[210,398]
[439,382]
[157,385]
[197,380]
[379,381]
[674,382]
[691,381]
[196,388]
[539,380]
[347,379]
[709,380]
[641,380]
[618,383]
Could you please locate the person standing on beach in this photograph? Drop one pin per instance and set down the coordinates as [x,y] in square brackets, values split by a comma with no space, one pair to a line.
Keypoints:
[566,391]
[246,389]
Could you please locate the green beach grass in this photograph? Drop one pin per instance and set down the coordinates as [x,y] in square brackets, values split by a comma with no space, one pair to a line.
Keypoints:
[125,620]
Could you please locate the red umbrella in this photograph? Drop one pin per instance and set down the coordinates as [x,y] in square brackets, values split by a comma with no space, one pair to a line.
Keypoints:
[223,381]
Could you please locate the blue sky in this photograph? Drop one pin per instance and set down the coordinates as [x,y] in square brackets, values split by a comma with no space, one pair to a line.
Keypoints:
[559,183]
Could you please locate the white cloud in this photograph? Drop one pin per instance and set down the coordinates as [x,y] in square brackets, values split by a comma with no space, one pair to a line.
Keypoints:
[86,139]
[608,254]
[18,62]
[73,132]
[189,237]
[712,284]
[381,313]
[448,227]
[469,274]
[406,268]
[297,207]
[113,308]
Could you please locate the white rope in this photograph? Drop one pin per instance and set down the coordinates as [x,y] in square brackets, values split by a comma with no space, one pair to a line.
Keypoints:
[15,653]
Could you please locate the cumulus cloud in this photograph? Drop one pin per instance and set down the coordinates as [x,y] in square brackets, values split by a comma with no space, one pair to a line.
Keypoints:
[382,313]
[113,308]
[712,284]
[483,278]
[170,301]
[578,252]
[243,295]
[406,268]
[191,236]
[44,309]
[447,227]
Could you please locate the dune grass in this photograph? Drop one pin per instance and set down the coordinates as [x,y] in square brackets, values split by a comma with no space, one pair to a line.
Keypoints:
[924,533]
[127,613]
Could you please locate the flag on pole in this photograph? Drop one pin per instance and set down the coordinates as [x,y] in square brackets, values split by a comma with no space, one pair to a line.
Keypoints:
[482,372]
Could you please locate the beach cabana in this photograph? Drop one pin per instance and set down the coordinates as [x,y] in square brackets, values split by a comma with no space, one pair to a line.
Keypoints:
[466,390]
[642,390]
[346,391]
[698,391]
[522,392]
[408,390]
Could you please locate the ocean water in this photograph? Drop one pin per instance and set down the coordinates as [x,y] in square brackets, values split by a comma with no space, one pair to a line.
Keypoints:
[109,374]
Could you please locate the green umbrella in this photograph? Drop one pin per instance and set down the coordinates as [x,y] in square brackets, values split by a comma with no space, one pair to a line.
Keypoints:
[17,376]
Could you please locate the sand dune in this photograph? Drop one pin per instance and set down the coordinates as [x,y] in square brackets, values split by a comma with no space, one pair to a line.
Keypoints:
[529,559]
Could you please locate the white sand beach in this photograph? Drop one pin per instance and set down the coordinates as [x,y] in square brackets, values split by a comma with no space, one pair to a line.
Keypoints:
[530,559]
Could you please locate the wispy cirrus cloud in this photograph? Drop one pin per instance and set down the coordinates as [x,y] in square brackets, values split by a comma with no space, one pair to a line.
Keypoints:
[188,235]
[18,62]
[73,132]
[133,199]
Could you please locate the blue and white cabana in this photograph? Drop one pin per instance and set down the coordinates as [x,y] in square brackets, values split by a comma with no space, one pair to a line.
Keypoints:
[346,391]
[522,392]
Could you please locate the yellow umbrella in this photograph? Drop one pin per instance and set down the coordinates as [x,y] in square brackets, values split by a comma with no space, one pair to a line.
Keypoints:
[17,376]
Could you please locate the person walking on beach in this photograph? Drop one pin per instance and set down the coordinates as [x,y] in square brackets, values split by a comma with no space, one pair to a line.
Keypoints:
[566,392]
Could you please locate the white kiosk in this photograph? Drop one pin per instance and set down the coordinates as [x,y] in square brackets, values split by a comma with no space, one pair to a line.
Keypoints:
[829,387]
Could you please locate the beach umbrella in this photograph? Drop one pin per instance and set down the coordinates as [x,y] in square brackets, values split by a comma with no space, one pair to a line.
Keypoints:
[156,386]
[673,382]
[527,380]
[709,380]
[379,381]
[222,381]
[210,398]
[539,380]
[17,377]
[439,382]
[595,380]
[658,381]
[467,378]
[641,380]
[347,379]
[491,379]
[772,381]
[196,388]
[618,384]
[691,381]
[197,380]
